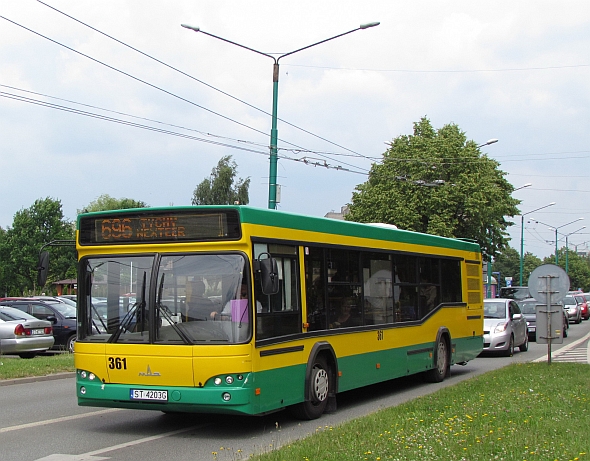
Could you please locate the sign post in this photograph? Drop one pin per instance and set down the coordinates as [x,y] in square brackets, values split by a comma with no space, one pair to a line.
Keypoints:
[549,284]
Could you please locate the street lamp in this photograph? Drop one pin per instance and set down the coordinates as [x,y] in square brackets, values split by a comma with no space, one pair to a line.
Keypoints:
[567,249]
[555,229]
[488,142]
[522,240]
[272,184]
[528,184]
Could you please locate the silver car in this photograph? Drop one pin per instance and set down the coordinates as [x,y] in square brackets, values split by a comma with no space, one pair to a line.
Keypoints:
[573,308]
[504,327]
[22,334]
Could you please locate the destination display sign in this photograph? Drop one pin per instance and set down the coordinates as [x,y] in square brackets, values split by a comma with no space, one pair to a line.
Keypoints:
[159,227]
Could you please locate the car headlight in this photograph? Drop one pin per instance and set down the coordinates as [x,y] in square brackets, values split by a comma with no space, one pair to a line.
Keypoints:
[501,327]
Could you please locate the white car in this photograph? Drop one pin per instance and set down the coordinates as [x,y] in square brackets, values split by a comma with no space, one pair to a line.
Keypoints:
[504,327]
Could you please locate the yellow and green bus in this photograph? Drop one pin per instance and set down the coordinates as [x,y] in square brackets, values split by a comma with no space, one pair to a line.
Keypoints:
[240,310]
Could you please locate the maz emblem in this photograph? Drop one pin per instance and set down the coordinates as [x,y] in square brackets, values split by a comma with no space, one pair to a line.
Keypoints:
[149,372]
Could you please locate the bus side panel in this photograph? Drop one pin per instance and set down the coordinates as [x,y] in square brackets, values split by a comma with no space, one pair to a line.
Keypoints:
[279,387]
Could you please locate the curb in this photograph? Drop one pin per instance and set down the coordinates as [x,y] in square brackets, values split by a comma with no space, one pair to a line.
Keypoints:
[34,379]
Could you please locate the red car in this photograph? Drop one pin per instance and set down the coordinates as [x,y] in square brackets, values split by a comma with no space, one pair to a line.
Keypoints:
[586,306]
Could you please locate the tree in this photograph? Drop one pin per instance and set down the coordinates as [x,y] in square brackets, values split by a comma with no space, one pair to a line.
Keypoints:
[507,264]
[221,188]
[438,183]
[105,202]
[32,228]
[578,269]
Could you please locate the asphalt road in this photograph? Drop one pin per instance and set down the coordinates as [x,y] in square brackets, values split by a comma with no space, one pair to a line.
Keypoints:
[41,420]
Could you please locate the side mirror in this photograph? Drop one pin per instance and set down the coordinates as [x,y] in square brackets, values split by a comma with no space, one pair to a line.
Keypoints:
[516,316]
[42,268]
[51,318]
[269,274]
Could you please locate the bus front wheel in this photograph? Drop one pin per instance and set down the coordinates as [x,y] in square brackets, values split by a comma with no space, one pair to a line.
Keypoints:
[318,390]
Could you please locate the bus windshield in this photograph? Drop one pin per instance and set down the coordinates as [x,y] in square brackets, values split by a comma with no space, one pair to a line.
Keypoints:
[166,299]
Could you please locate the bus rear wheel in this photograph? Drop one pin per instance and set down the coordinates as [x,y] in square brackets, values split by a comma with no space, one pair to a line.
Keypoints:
[318,389]
[441,362]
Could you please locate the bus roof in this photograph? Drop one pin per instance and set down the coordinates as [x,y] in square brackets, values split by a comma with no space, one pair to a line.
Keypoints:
[267,217]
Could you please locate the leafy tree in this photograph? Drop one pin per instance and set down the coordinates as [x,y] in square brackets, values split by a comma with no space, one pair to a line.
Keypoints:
[530,263]
[105,202]
[437,182]
[221,187]
[32,228]
[578,269]
[508,264]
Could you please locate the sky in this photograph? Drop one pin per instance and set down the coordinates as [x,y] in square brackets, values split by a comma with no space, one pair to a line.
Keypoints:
[518,72]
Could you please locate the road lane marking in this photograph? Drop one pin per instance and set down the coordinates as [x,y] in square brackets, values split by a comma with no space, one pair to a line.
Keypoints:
[92,455]
[57,420]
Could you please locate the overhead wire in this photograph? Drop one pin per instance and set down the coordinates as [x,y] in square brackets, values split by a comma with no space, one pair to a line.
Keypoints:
[305,160]
[201,81]
[134,116]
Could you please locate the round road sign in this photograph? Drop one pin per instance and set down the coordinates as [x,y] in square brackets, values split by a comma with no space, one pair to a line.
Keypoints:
[549,279]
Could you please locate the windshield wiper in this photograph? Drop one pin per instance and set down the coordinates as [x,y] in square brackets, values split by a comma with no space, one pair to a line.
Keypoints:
[137,308]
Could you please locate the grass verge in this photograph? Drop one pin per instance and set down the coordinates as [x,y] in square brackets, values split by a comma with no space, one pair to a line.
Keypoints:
[520,412]
[41,365]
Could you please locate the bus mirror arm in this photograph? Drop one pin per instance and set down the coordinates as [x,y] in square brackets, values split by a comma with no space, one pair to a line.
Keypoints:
[269,274]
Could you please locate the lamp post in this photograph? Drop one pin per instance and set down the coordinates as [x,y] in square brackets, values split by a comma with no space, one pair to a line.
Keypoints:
[567,250]
[272,183]
[489,265]
[555,229]
[522,240]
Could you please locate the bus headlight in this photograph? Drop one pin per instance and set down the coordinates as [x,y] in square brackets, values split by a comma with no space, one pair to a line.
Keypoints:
[229,379]
[82,390]
[217,381]
[226,396]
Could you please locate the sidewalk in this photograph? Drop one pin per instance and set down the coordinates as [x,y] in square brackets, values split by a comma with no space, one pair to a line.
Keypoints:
[578,351]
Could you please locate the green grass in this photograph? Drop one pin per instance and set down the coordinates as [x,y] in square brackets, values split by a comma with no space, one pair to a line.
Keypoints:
[521,412]
[41,365]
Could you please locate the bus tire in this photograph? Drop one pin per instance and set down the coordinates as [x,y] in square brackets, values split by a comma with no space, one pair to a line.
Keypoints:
[441,362]
[319,387]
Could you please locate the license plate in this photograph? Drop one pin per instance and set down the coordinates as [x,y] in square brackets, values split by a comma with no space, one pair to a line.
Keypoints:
[38,331]
[144,394]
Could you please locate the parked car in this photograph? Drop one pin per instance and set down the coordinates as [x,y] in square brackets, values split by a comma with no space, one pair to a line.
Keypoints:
[528,307]
[23,334]
[515,292]
[586,315]
[573,307]
[60,314]
[504,327]
[70,297]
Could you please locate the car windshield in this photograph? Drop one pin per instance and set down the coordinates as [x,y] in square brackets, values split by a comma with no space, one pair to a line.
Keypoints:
[170,299]
[9,314]
[568,300]
[494,310]
[64,309]
[68,301]
[528,307]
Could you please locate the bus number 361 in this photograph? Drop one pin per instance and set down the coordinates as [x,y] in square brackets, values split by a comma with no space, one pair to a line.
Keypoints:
[117,363]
